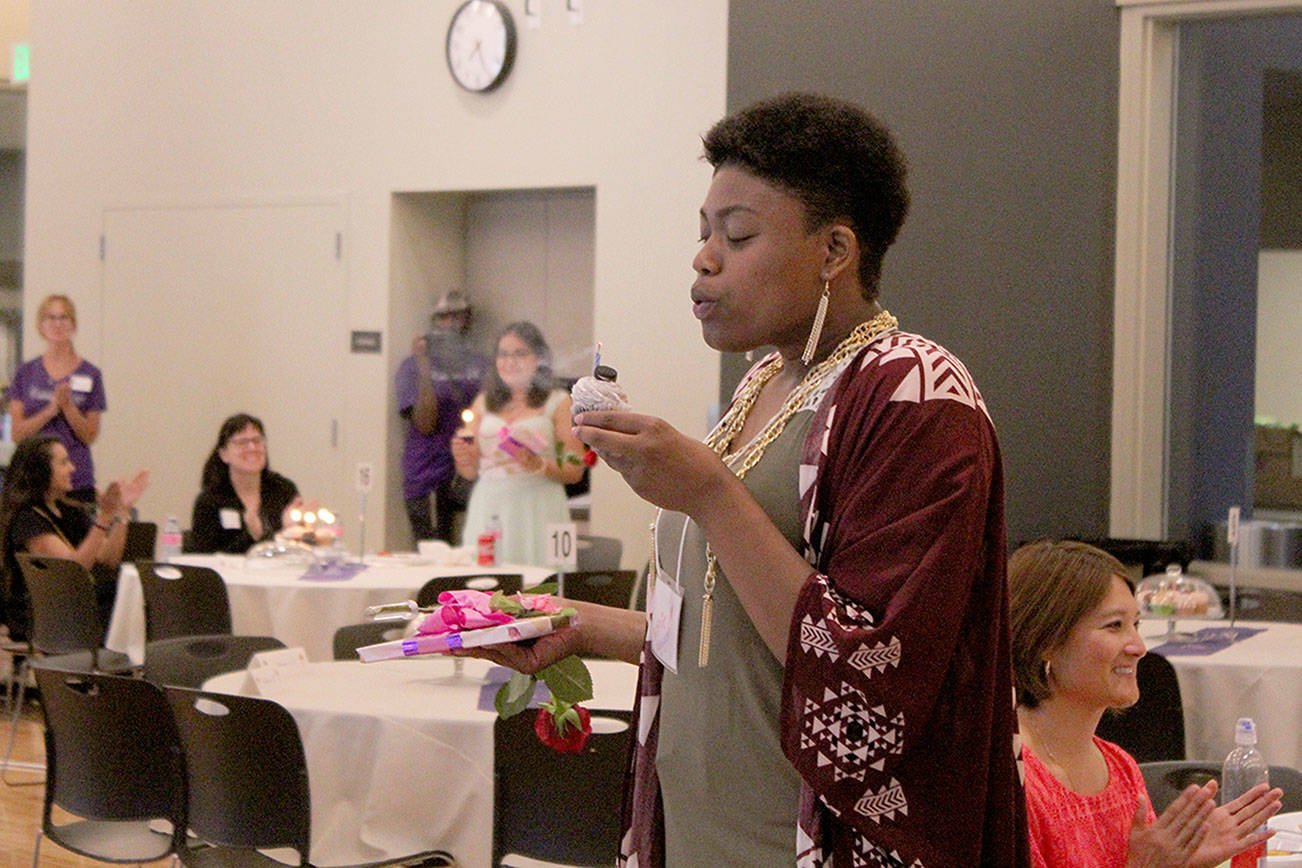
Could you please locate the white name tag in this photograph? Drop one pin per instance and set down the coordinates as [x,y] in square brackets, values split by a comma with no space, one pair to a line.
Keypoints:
[230,519]
[80,383]
[664,610]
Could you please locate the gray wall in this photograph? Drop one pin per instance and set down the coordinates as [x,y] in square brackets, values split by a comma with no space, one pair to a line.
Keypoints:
[1007,113]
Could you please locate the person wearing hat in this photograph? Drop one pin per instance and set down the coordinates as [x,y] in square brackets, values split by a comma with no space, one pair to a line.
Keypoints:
[434,385]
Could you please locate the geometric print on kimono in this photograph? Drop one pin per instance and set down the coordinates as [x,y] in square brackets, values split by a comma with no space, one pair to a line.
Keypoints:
[841,728]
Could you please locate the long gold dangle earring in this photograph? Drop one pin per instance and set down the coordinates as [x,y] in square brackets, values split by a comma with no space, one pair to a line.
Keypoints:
[707,607]
[811,345]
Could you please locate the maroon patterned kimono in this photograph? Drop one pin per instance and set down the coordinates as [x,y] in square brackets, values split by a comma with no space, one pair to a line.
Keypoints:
[897,706]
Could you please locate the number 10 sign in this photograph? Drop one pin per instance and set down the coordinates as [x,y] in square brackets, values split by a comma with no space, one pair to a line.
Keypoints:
[562,545]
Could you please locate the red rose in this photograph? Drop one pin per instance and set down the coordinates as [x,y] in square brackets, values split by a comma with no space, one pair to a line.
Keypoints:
[565,728]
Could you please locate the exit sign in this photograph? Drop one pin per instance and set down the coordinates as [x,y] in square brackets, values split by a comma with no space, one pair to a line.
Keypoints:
[22,68]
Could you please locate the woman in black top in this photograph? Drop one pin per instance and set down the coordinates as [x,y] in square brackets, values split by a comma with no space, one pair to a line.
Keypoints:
[242,501]
[37,517]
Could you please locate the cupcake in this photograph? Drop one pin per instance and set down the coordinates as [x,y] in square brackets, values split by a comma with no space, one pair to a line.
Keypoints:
[598,392]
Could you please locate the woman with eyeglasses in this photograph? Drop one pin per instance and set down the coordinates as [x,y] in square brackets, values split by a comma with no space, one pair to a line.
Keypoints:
[518,448]
[60,393]
[242,500]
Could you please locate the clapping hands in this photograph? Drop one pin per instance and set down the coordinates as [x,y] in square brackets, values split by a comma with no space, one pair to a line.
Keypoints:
[1194,833]
[121,495]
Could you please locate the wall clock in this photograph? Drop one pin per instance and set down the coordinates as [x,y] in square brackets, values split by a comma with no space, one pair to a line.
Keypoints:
[481,45]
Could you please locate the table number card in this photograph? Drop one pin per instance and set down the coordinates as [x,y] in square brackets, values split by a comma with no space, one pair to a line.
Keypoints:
[562,546]
[268,669]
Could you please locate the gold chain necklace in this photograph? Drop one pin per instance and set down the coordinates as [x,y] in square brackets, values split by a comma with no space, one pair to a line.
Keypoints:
[720,439]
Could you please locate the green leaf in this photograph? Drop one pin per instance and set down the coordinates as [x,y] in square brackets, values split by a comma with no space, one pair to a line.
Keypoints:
[568,680]
[513,696]
[548,587]
[500,602]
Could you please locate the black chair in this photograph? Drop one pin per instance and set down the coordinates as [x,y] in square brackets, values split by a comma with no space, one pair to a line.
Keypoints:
[350,637]
[1166,780]
[189,661]
[578,821]
[247,781]
[183,600]
[598,552]
[65,623]
[142,537]
[607,587]
[113,761]
[637,599]
[1152,729]
[428,595]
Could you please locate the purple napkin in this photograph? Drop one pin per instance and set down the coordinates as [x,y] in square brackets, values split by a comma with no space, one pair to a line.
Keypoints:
[493,681]
[1206,641]
[336,572]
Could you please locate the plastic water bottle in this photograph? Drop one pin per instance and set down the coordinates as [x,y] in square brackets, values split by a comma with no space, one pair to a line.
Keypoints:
[1244,768]
[169,541]
[489,542]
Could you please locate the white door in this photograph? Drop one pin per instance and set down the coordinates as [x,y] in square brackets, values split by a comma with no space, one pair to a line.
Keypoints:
[210,311]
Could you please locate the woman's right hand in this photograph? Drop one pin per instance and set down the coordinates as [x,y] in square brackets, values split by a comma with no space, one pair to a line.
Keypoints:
[1174,836]
[465,454]
[662,466]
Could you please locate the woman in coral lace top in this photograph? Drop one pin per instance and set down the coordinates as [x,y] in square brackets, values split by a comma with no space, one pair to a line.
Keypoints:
[1075,650]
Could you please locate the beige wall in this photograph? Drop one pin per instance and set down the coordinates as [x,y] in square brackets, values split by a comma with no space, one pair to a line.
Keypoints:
[1279,322]
[15,26]
[234,100]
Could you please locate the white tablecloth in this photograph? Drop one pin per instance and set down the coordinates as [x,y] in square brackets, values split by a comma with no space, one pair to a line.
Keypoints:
[399,754]
[277,601]
[1258,677]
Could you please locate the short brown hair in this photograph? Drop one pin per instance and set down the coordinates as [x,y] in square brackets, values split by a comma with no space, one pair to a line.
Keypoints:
[64,300]
[1051,586]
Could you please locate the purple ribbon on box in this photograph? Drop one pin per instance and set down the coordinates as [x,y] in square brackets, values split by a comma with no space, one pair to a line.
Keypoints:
[493,681]
[335,572]
[1206,641]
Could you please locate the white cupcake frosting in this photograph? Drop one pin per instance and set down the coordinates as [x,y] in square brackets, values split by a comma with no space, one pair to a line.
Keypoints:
[589,393]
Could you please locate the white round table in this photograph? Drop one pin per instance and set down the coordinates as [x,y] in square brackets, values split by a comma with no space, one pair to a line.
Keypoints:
[1258,677]
[400,753]
[278,601]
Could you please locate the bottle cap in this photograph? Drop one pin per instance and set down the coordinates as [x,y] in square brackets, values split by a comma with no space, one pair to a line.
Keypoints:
[1245,731]
[605,372]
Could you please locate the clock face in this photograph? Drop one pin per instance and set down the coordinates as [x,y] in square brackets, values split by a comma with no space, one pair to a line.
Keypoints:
[481,45]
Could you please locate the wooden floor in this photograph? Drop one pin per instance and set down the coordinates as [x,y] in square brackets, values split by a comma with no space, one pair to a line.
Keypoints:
[20,807]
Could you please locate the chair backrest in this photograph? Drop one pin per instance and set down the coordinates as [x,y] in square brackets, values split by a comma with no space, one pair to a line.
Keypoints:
[65,617]
[428,595]
[576,823]
[189,661]
[350,637]
[246,771]
[607,587]
[598,552]
[1152,729]
[641,585]
[112,751]
[1166,780]
[183,600]
[141,541]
